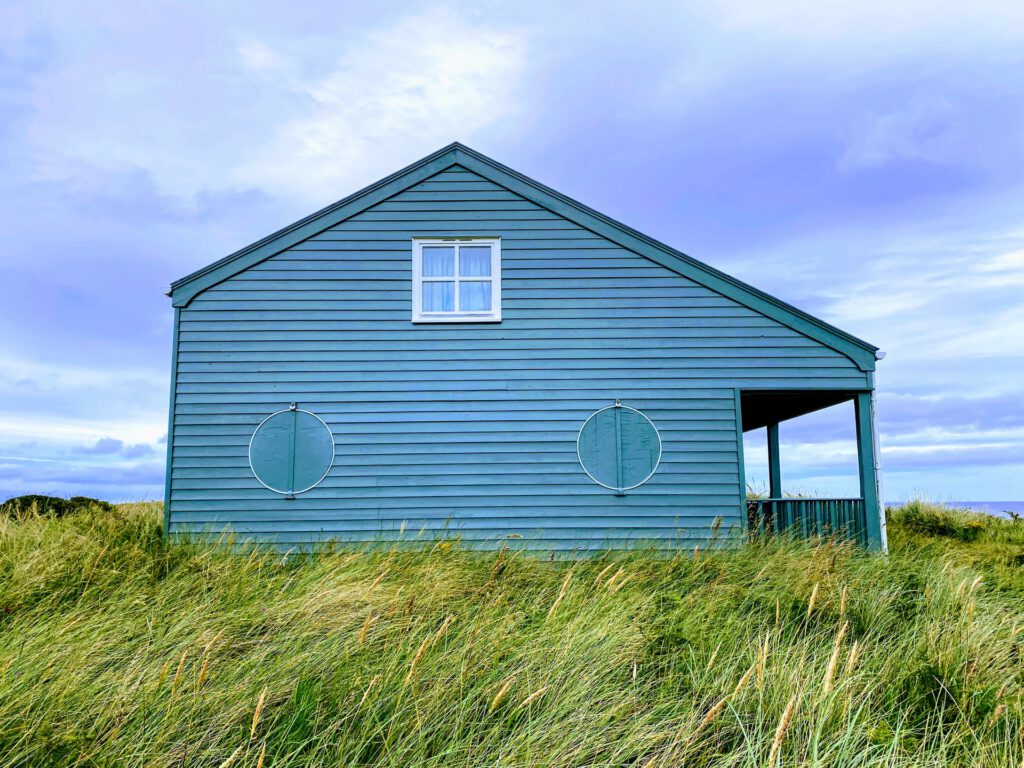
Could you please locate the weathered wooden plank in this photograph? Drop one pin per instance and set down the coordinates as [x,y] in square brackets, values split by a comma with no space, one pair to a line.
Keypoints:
[319,501]
[388,406]
[597,526]
[522,232]
[443,204]
[377,219]
[696,331]
[312,341]
[338,355]
[680,417]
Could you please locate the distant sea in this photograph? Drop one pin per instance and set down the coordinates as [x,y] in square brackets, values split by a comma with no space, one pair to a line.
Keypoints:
[997,508]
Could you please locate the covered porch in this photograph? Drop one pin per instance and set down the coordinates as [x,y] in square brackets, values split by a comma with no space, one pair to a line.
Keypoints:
[860,517]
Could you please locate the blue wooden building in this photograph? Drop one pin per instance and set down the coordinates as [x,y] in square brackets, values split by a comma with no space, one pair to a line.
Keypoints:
[460,350]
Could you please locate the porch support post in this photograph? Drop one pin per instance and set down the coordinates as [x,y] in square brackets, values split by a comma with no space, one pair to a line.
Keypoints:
[774,464]
[867,462]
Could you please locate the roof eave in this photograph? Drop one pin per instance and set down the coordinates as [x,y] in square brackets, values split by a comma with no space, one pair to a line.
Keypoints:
[300,230]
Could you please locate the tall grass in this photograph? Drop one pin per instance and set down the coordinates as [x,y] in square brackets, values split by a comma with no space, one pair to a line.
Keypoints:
[117,648]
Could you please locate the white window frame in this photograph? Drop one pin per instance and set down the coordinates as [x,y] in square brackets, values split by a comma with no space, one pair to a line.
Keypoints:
[493,315]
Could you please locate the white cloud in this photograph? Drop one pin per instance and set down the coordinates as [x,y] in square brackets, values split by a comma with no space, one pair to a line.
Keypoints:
[869,26]
[401,93]
[94,403]
[258,56]
[304,117]
[937,297]
[927,128]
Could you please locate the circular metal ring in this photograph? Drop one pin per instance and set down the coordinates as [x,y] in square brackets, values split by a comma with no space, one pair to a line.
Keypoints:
[646,418]
[329,464]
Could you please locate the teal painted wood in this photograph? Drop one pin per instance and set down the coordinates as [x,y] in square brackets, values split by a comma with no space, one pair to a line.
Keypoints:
[741,470]
[774,462]
[290,451]
[471,429]
[867,461]
[825,518]
[168,472]
[619,447]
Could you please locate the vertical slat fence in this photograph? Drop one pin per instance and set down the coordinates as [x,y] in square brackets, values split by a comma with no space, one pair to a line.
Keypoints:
[809,518]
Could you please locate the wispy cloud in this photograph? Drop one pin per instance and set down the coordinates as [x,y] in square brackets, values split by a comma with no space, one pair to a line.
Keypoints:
[419,82]
[111,446]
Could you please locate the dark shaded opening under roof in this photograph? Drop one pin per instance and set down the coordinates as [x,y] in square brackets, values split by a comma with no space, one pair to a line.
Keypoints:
[763,407]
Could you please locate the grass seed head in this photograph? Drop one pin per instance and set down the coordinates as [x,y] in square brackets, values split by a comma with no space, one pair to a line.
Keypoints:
[203,672]
[444,628]
[852,661]
[611,582]
[502,692]
[256,714]
[830,671]
[712,713]
[376,582]
[365,629]
[780,731]
[745,679]
[711,659]
[499,561]
[603,573]
[997,713]
[561,595]
[618,585]
[416,659]
[232,756]
[533,697]
[811,600]
[165,670]
[177,674]
[369,687]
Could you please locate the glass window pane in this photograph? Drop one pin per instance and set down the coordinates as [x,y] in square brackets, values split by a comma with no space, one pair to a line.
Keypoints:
[475,261]
[438,297]
[475,296]
[439,261]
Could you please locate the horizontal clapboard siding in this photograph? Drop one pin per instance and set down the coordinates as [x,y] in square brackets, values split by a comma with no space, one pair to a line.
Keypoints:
[470,429]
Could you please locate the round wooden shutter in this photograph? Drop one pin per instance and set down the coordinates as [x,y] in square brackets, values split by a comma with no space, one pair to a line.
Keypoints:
[619,447]
[291,451]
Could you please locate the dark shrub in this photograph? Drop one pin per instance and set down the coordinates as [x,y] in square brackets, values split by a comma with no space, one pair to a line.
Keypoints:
[51,506]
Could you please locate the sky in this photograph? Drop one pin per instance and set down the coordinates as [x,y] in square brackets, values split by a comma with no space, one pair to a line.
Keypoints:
[863,161]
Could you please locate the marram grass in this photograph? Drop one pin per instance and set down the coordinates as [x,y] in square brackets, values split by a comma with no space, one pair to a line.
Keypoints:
[117,649]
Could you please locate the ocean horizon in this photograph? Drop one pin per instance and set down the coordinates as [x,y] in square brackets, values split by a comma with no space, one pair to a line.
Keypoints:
[997,508]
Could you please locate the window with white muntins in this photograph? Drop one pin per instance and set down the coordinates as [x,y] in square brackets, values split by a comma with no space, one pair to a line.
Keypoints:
[456,280]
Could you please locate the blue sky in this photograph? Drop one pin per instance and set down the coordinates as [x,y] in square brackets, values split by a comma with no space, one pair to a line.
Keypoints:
[862,161]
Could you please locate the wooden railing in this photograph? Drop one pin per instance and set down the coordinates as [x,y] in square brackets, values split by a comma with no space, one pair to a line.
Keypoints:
[844,518]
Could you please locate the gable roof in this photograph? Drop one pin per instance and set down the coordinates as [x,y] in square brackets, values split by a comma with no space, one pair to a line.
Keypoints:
[184,290]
